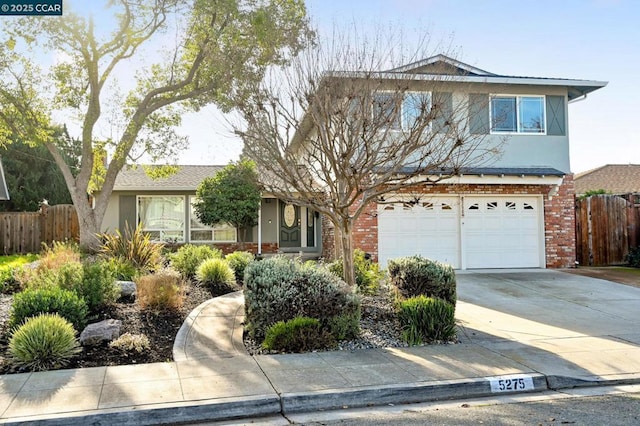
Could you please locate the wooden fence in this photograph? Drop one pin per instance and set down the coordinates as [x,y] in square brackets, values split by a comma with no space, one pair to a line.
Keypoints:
[25,232]
[607,226]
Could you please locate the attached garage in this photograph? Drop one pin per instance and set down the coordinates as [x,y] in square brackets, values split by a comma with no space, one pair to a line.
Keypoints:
[465,231]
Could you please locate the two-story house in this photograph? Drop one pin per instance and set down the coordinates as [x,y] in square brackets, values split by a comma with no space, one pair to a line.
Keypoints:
[514,211]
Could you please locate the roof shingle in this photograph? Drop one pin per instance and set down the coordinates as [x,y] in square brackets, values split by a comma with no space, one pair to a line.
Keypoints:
[186,179]
[613,178]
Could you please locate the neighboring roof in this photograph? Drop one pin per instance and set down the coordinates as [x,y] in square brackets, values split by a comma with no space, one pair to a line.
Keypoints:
[4,192]
[186,179]
[435,67]
[613,178]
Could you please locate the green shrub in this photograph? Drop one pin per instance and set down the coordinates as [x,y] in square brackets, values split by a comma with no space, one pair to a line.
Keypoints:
[425,319]
[98,286]
[128,342]
[188,257]
[216,275]
[67,276]
[415,276]
[9,265]
[238,261]
[122,269]
[44,342]
[299,334]
[32,302]
[134,246]
[367,273]
[93,281]
[280,289]
[345,326]
[633,258]
[163,291]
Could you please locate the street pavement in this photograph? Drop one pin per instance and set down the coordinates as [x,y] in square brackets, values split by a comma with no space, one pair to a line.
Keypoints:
[520,332]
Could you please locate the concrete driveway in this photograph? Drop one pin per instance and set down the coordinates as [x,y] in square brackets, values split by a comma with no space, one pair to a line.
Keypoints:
[555,323]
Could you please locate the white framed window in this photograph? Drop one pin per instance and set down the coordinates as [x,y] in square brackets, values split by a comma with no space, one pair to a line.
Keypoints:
[412,106]
[201,233]
[162,216]
[518,114]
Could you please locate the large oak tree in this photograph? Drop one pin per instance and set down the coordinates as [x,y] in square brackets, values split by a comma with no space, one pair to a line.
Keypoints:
[183,55]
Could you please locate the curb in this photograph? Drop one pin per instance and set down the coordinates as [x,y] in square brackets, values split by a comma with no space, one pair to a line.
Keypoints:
[401,394]
[307,402]
[567,382]
[183,413]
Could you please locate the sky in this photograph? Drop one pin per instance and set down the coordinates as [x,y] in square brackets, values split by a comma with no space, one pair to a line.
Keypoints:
[587,39]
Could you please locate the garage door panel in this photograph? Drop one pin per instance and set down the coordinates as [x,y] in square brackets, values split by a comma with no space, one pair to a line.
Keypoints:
[496,231]
[430,229]
[501,232]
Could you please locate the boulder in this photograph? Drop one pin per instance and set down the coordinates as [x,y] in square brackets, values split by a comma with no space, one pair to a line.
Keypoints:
[103,331]
[127,288]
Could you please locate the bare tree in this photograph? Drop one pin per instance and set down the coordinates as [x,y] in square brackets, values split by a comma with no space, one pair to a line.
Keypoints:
[335,132]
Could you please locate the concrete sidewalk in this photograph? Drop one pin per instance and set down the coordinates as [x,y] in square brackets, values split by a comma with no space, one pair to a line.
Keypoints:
[521,332]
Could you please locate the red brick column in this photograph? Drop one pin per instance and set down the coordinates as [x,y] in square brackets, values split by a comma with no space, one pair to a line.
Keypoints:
[560,226]
[365,231]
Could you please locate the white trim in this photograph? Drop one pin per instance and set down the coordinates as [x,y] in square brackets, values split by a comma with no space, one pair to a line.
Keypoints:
[518,131]
[513,80]
[161,231]
[207,228]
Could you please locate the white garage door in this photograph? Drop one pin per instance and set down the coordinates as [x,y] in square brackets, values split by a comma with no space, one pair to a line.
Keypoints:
[493,232]
[430,228]
[502,232]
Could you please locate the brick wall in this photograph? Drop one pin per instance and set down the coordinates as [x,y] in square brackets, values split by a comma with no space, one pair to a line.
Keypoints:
[560,226]
[328,239]
[559,217]
[251,247]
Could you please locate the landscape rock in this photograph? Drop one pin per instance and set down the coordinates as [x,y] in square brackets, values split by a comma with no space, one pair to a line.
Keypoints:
[103,331]
[127,288]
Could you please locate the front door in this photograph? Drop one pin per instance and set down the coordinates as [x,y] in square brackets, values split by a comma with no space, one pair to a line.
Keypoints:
[290,232]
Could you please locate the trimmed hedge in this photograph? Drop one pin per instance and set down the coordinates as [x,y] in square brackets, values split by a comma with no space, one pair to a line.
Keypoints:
[415,276]
[280,289]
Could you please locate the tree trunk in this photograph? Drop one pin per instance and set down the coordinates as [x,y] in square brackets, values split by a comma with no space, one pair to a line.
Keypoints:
[347,252]
[89,227]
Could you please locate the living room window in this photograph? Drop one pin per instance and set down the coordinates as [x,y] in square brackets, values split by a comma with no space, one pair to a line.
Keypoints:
[199,232]
[518,114]
[162,217]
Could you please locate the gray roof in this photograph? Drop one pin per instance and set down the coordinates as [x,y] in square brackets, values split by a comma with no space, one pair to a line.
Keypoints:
[613,178]
[456,71]
[497,171]
[186,179]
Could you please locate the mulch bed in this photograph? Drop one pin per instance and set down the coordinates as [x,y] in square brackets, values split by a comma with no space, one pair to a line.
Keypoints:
[160,327]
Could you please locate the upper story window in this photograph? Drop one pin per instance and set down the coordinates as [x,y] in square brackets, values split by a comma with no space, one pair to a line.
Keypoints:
[518,114]
[400,111]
